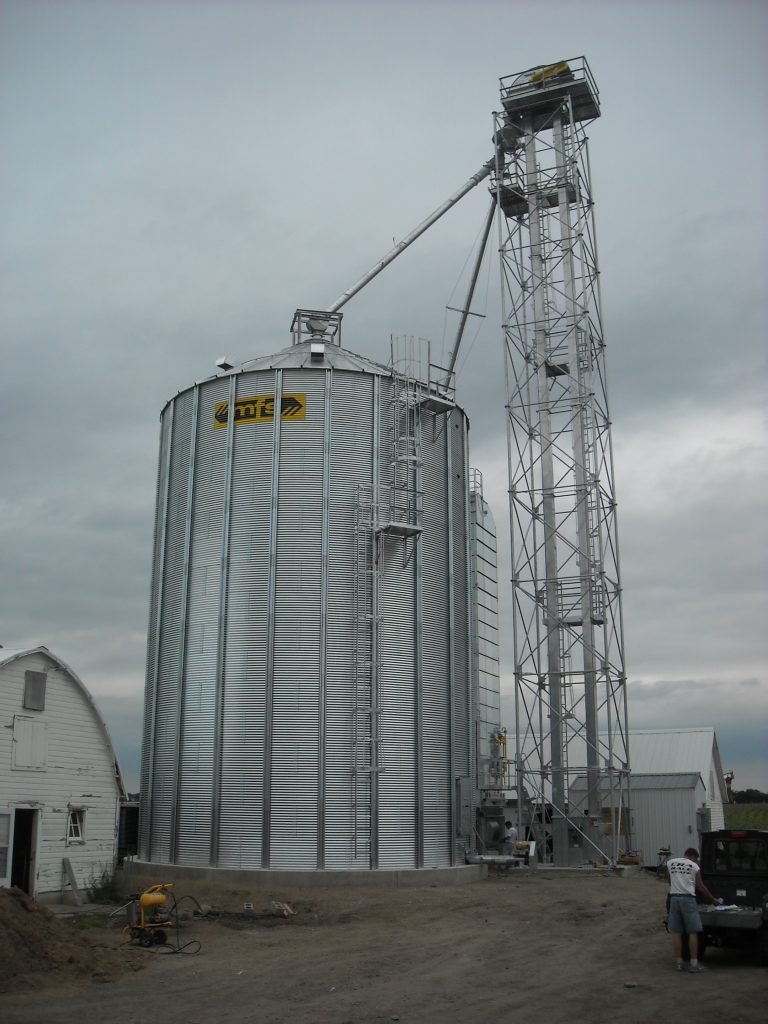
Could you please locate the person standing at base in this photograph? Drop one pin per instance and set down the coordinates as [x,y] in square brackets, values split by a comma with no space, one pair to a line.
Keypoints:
[510,838]
[683,919]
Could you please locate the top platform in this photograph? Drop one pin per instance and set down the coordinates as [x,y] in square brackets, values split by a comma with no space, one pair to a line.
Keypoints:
[542,90]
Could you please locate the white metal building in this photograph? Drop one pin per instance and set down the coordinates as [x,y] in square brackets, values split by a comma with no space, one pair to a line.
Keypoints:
[667,812]
[60,785]
[677,790]
[672,751]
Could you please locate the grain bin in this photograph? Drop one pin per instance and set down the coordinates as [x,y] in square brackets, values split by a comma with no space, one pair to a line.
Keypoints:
[308,699]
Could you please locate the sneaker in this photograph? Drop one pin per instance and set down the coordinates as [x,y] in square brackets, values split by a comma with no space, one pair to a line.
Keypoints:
[697,969]
[679,967]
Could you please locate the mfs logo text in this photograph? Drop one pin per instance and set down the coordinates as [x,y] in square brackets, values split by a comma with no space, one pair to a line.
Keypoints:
[261,409]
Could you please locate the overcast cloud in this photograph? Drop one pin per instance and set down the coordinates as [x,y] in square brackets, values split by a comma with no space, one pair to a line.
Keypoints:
[177,177]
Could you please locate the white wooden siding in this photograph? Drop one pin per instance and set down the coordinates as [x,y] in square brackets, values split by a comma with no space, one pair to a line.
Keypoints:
[79,772]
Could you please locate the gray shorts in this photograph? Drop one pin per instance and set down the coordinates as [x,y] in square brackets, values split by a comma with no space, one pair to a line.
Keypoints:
[683,916]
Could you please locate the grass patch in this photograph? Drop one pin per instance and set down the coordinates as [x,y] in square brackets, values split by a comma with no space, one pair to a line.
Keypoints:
[746,816]
[106,889]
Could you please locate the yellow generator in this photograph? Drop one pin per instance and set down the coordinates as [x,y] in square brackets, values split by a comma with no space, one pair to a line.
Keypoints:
[149,916]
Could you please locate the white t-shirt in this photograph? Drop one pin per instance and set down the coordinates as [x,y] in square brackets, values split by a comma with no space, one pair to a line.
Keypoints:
[682,876]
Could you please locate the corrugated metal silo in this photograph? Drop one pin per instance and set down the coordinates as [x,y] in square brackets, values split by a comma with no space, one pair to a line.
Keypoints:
[308,698]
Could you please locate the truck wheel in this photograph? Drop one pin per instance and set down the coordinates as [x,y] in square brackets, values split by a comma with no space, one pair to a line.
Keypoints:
[762,946]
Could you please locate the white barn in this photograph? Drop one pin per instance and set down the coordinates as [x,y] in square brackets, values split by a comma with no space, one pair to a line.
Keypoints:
[60,784]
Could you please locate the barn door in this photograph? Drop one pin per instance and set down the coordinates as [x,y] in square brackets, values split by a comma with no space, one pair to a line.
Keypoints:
[24,844]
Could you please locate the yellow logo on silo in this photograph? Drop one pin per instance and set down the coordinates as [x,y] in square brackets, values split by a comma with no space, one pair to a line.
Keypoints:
[261,409]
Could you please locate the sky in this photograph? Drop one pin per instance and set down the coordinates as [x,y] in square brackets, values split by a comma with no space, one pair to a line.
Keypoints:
[178,176]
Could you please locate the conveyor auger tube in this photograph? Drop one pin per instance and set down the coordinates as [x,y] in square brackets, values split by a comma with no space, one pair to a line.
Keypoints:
[483,173]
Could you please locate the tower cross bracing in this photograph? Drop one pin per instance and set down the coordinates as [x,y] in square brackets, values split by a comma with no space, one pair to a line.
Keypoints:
[570,682]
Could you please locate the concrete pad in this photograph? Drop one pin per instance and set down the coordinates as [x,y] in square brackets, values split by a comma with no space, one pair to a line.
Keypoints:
[391,879]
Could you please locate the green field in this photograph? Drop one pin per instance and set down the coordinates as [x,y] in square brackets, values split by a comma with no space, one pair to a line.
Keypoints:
[746,816]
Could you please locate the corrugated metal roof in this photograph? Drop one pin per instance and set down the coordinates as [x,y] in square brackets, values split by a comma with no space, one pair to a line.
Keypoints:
[665,751]
[299,356]
[666,780]
[669,780]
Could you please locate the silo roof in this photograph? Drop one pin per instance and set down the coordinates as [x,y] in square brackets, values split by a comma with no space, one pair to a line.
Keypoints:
[297,356]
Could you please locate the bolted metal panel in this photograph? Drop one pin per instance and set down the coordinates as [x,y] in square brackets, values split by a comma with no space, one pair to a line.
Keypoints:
[437,556]
[307,674]
[154,635]
[169,665]
[462,711]
[196,781]
[485,648]
[351,467]
[296,709]
[247,616]
[396,825]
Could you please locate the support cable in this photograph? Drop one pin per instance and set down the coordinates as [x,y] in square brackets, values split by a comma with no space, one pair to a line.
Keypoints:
[472,283]
[483,173]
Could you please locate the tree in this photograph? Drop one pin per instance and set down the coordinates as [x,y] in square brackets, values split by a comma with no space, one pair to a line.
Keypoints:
[750,796]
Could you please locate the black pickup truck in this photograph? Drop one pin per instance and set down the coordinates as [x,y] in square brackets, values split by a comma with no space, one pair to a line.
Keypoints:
[734,866]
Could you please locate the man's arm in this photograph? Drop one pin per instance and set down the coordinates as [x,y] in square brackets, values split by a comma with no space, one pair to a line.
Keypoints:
[700,887]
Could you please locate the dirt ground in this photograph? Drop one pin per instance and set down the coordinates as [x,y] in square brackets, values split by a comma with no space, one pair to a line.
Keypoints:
[576,948]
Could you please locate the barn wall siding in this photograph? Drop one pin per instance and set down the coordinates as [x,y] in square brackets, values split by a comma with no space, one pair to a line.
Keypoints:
[79,772]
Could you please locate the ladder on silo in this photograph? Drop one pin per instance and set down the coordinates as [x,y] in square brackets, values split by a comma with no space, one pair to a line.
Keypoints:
[400,500]
[391,510]
[365,710]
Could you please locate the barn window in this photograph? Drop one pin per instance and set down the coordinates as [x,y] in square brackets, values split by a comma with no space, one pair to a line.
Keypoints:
[34,690]
[76,825]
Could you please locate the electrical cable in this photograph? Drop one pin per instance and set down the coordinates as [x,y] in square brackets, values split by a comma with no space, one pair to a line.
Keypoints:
[147,939]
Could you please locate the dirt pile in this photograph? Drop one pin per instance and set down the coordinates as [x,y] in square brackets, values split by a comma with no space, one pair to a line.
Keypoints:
[37,947]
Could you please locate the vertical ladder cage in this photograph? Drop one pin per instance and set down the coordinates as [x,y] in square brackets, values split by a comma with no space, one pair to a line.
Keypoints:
[387,525]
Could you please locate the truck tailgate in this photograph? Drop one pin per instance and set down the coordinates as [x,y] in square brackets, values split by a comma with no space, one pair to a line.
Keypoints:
[744,917]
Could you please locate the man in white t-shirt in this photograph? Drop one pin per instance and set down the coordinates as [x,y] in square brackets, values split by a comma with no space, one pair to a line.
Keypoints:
[510,838]
[684,882]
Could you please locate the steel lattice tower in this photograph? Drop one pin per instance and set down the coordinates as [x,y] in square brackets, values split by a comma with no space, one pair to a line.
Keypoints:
[568,635]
